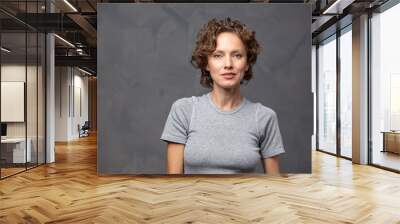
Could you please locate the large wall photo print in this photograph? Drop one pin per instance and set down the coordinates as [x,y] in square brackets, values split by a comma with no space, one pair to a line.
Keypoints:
[196,88]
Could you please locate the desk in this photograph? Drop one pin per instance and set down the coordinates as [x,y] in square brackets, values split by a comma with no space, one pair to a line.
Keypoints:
[16,147]
[391,141]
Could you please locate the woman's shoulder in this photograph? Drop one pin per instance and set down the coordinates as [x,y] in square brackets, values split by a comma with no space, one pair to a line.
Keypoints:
[186,104]
[186,101]
[264,111]
[190,101]
[182,102]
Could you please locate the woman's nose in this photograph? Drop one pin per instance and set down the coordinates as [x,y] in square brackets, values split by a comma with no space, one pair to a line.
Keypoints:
[228,62]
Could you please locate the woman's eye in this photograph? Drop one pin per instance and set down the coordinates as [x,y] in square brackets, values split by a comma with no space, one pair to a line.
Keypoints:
[238,56]
[217,56]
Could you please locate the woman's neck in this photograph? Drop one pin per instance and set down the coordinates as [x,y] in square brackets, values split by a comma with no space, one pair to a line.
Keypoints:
[226,100]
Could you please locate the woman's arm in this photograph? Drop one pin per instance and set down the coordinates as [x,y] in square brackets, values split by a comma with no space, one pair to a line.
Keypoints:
[175,158]
[271,165]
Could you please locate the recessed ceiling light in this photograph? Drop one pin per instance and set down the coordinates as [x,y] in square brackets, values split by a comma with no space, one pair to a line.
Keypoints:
[337,7]
[86,72]
[65,41]
[5,49]
[70,5]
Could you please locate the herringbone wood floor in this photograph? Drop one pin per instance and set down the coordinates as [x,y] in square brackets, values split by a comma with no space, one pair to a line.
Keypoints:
[70,191]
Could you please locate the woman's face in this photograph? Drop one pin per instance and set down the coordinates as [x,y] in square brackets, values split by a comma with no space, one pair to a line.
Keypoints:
[228,63]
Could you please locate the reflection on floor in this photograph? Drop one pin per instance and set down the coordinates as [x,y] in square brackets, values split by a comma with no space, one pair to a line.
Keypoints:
[346,152]
[10,169]
[386,159]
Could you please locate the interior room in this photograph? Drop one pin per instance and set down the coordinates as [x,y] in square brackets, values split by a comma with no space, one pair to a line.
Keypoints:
[54,111]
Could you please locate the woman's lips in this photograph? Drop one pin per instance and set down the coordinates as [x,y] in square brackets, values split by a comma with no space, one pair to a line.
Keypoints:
[228,75]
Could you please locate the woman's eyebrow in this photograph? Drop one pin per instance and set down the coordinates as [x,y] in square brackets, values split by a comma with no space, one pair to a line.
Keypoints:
[218,51]
[231,52]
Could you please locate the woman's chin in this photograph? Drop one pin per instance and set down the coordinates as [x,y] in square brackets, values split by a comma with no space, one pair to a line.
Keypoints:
[228,84]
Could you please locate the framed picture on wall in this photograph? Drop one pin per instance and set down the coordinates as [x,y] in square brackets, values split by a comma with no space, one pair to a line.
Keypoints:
[12,101]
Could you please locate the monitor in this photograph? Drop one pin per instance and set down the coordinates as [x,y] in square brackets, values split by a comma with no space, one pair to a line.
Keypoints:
[3,129]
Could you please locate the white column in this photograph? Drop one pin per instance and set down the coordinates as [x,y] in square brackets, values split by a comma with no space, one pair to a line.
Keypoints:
[50,93]
[360,90]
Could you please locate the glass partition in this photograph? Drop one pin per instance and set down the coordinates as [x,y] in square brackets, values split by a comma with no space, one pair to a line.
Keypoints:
[31,100]
[14,153]
[327,95]
[22,88]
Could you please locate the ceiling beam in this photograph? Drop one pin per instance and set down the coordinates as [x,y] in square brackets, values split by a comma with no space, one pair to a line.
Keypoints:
[84,61]
[86,26]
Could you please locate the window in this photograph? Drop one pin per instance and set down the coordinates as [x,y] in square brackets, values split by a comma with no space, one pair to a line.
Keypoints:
[346,92]
[385,88]
[327,95]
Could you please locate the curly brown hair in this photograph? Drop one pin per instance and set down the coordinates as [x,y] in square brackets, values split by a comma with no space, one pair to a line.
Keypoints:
[206,44]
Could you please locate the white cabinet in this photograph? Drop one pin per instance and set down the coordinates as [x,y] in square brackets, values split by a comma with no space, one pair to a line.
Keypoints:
[18,149]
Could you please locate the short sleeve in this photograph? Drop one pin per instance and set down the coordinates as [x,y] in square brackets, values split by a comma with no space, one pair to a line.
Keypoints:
[270,136]
[176,127]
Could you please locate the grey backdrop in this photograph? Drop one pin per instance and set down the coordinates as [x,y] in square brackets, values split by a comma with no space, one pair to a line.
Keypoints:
[143,67]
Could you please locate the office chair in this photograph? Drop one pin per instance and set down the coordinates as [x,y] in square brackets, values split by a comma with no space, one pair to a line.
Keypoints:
[84,130]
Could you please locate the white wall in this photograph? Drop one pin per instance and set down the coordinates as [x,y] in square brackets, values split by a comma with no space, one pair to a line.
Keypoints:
[16,72]
[71,102]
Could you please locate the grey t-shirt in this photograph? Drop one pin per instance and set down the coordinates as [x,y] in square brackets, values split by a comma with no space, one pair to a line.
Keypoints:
[219,142]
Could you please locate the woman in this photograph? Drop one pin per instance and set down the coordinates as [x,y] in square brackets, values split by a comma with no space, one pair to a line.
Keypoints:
[222,132]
